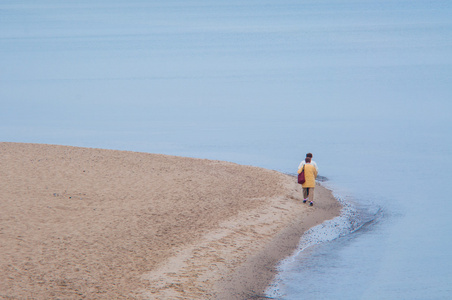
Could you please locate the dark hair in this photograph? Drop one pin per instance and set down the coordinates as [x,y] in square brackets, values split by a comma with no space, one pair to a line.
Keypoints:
[309,155]
[308,159]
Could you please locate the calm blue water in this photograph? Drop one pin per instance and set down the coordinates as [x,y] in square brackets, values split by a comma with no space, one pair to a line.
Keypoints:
[364,85]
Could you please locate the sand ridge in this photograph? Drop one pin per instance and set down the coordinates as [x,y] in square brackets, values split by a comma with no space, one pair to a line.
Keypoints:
[79,223]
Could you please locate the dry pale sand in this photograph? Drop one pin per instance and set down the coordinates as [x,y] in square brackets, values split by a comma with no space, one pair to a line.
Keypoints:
[79,223]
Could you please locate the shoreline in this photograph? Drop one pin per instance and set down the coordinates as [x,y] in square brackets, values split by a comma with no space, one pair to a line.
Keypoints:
[253,278]
[94,223]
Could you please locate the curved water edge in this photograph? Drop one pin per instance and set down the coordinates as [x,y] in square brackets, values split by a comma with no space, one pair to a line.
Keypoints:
[354,216]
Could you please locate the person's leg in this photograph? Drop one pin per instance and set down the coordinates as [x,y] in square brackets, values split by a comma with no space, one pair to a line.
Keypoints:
[311,196]
[305,194]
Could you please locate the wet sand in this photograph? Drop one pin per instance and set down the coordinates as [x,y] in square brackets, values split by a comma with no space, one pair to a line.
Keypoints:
[78,223]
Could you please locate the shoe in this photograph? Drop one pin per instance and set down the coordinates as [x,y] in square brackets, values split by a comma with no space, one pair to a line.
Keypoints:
[311,203]
[304,201]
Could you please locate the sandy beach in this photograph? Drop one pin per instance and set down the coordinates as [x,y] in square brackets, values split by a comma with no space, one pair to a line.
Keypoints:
[79,223]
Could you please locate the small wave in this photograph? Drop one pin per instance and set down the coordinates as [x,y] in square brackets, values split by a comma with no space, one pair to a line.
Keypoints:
[352,219]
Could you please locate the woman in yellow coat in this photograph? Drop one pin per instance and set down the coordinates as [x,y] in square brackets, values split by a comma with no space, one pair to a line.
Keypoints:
[310,174]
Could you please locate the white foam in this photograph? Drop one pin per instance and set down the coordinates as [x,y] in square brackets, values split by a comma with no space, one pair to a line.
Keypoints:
[350,220]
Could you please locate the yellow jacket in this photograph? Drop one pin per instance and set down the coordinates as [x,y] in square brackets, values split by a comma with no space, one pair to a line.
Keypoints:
[310,174]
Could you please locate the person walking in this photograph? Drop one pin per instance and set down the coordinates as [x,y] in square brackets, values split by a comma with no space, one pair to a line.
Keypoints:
[310,174]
